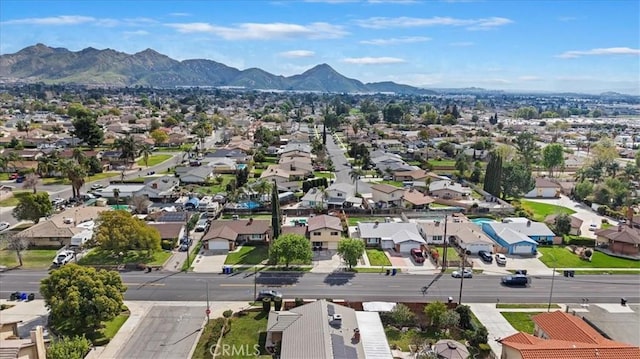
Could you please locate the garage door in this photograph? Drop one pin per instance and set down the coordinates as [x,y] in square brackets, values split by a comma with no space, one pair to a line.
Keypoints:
[405,247]
[521,249]
[388,244]
[218,245]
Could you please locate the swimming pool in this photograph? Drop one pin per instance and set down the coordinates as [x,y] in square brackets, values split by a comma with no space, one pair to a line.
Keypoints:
[249,205]
[480,221]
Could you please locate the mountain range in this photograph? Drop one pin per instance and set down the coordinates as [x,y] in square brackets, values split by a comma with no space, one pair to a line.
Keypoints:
[90,66]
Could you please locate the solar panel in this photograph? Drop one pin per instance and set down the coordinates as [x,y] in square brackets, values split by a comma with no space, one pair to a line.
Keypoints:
[331,309]
[341,351]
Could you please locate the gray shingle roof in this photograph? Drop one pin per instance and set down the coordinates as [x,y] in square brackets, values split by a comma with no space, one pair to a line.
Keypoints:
[385,230]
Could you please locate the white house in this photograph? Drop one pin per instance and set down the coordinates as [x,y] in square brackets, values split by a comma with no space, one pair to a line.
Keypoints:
[196,175]
[391,235]
[544,189]
[313,199]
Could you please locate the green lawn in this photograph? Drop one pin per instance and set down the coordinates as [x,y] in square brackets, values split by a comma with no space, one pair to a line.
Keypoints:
[214,187]
[111,327]
[322,174]
[372,270]
[392,183]
[525,306]
[154,160]
[208,338]
[565,259]
[99,257]
[353,221]
[452,255]
[520,321]
[31,259]
[442,163]
[245,330]
[377,257]
[13,201]
[248,255]
[4,176]
[542,210]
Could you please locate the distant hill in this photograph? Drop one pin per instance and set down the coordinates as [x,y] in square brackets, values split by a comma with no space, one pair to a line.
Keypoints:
[40,63]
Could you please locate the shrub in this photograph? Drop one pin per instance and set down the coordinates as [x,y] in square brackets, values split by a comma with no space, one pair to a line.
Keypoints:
[168,244]
[227,313]
[299,302]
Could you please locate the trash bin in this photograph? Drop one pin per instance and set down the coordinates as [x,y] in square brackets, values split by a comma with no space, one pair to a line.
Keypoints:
[565,273]
[623,302]
[572,273]
[31,297]
[388,271]
[23,296]
[225,270]
[13,296]
[229,269]
[394,271]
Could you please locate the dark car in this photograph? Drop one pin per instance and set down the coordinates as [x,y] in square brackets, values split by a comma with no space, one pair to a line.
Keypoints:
[416,254]
[268,294]
[485,256]
[515,280]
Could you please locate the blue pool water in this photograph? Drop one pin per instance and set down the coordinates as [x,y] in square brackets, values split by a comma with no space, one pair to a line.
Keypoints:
[480,221]
[249,205]
[241,166]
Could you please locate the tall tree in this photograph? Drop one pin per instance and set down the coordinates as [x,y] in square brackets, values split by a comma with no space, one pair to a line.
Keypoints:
[145,151]
[493,175]
[31,182]
[88,130]
[290,248]
[527,148]
[80,298]
[18,244]
[553,157]
[562,224]
[516,179]
[128,148]
[351,250]
[159,136]
[32,207]
[275,211]
[434,312]
[119,231]
[75,173]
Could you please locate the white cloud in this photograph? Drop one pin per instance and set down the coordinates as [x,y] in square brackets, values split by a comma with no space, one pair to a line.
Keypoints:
[392,1]
[297,53]
[567,18]
[136,33]
[529,78]
[179,14]
[470,24]
[264,31]
[373,60]
[396,40]
[461,44]
[601,51]
[54,20]
[331,1]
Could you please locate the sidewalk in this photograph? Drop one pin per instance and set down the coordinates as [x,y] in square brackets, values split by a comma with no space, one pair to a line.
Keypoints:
[496,325]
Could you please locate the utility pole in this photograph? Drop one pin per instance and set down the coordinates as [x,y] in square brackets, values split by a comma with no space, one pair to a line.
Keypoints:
[186,226]
[553,277]
[464,259]
[255,282]
[208,308]
[444,252]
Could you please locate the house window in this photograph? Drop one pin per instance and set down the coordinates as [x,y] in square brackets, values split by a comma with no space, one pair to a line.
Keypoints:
[437,238]
[334,233]
[256,237]
[317,233]
[317,244]
[339,194]
[372,240]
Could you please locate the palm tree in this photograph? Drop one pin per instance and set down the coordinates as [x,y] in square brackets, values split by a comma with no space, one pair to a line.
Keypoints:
[116,195]
[613,168]
[79,155]
[45,166]
[127,147]
[145,151]
[4,163]
[355,176]
[75,173]
[12,158]
[31,182]
[262,187]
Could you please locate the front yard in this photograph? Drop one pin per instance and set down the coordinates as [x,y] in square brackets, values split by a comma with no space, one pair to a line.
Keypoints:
[540,211]
[560,257]
[216,185]
[31,259]
[520,321]
[246,330]
[153,160]
[13,200]
[97,256]
[377,257]
[95,177]
[248,255]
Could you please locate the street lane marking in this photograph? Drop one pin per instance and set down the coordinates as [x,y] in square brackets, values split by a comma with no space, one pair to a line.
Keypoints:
[236,285]
[146,284]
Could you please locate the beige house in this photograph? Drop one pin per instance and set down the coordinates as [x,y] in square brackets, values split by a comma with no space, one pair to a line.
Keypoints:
[58,230]
[275,173]
[414,199]
[224,236]
[384,193]
[324,231]
[11,346]
[449,190]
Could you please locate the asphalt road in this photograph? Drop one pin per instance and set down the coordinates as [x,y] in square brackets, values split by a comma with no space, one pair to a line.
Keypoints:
[339,161]
[164,286]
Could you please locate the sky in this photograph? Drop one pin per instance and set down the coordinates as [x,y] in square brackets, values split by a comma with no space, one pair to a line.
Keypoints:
[586,46]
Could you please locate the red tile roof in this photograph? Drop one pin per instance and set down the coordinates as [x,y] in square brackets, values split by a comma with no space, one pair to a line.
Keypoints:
[563,326]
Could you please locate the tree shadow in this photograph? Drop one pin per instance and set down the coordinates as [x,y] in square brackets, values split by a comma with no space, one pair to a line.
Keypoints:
[339,278]
[278,278]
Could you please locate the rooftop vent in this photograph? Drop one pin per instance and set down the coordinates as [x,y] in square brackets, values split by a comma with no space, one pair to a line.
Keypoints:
[67,220]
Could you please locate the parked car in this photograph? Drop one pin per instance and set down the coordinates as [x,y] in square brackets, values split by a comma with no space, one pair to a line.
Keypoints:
[485,256]
[58,201]
[467,273]
[416,254]
[268,294]
[14,176]
[501,259]
[202,225]
[63,258]
[4,226]
[96,186]
[593,227]
[515,280]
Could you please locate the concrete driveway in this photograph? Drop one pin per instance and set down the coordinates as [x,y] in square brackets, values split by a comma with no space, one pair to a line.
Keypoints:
[586,214]
[532,265]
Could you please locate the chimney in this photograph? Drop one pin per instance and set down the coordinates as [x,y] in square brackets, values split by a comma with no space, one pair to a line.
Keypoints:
[250,221]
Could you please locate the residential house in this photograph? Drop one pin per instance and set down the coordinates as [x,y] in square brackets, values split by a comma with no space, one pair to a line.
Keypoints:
[224,235]
[466,235]
[199,175]
[401,237]
[544,188]
[240,156]
[386,195]
[340,195]
[620,239]
[414,199]
[297,169]
[448,189]
[169,231]
[275,173]
[519,238]
[314,198]
[324,231]
[336,331]
[417,175]
[159,188]
[562,335]
[221,165]
[296,149]
[58,230]
[576,223]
